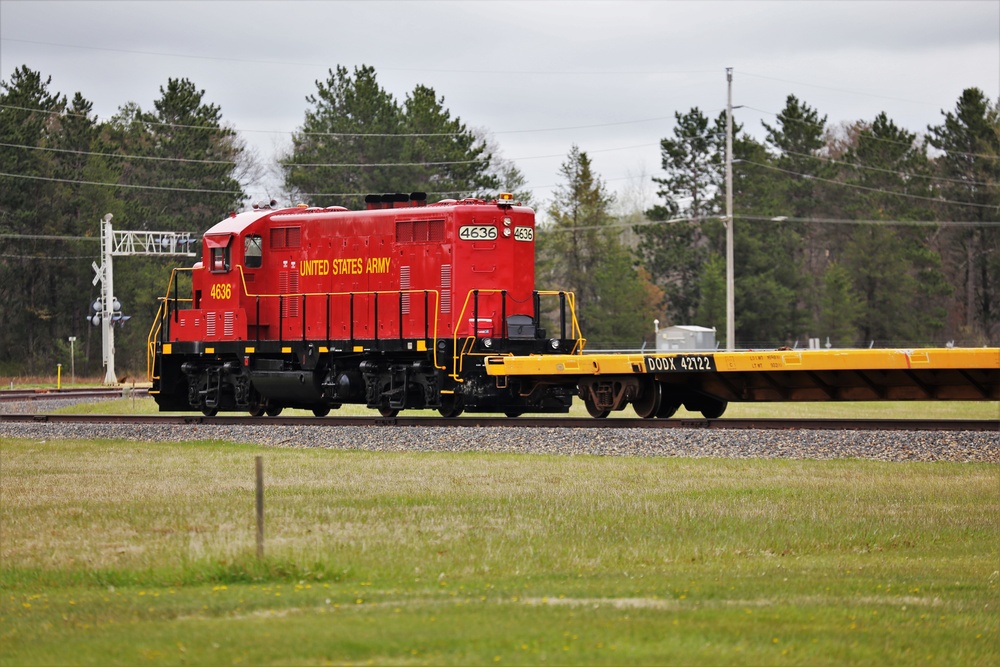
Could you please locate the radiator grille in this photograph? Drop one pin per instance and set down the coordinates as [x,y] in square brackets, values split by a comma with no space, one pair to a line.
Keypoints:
[446,288]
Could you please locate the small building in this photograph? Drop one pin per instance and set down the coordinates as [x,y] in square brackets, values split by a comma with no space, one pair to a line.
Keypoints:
[685,337]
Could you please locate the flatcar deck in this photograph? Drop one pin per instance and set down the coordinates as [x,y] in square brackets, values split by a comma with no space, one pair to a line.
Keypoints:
[785,375]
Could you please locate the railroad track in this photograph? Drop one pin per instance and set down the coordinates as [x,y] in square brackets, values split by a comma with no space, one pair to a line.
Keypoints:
[523,422]
[14,395]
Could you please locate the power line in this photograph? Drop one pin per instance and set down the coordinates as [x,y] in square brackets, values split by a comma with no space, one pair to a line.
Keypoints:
[822,126]
[889,171]
[847,221]
[117,155]
[374,135]
[46,237]
[385,69]
[936,200]
[293,164]
[120,185]
[47,257]
[837,90]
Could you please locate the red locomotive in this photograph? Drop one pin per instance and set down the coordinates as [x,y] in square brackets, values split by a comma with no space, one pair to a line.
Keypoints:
[394,307]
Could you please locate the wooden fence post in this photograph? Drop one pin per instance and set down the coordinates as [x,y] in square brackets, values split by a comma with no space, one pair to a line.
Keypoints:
[260,508]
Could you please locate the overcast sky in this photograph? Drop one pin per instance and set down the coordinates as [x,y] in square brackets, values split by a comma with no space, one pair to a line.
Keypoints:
[540,76]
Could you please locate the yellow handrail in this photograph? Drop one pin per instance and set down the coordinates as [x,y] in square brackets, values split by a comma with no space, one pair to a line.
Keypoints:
[154,330]
[457,356]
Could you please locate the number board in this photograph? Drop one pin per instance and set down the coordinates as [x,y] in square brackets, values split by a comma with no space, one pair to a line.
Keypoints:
[477,233]
[680,363]
[524,234]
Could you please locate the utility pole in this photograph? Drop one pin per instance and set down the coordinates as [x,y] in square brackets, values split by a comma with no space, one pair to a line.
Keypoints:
[127,244]
[730,271]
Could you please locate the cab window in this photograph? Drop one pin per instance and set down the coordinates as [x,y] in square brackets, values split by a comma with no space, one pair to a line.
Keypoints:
[220,260]
[253,251]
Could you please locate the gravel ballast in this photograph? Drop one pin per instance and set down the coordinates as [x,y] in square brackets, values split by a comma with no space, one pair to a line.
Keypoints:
[957,446]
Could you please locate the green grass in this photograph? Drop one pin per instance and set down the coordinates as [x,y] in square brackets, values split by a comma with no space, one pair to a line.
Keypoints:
[136,553]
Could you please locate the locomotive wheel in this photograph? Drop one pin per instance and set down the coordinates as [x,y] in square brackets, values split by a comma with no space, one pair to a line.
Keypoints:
[513,414]
[648,404]
[272,411]
[322,412]
[388,413]
[451,406]
[595,412]
[258,404]
[209,412]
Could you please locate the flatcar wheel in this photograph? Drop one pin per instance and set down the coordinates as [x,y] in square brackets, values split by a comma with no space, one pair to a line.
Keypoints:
[388,413]
[595,412]
[713,409]
[668,406]
[322,412]
[272,411]
[648,404]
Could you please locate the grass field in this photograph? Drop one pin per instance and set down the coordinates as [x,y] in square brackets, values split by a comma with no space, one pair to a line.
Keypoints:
[136,553]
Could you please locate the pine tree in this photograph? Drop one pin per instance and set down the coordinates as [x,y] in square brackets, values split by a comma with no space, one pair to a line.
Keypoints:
[897,275]
[579,251]
[357,139]
[675,250]
[970,139]
[30,200]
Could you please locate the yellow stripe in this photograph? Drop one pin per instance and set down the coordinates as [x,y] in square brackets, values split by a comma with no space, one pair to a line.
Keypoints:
[209,350]
[286,350]
[248,350]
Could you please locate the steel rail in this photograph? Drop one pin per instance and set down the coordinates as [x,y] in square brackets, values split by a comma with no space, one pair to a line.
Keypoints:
[522,422]
[13,395]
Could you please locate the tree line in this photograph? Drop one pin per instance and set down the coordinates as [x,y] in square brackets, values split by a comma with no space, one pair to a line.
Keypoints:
[863,232]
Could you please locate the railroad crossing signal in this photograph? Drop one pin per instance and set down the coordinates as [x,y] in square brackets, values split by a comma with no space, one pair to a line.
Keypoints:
[124,244]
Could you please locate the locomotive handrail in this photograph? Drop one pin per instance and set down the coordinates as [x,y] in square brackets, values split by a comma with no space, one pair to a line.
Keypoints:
[375,293]
[469,341]
[161,313]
